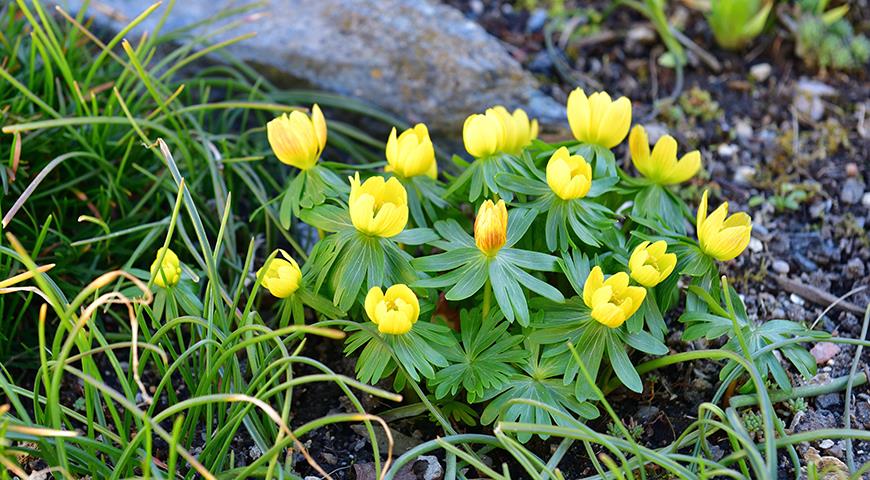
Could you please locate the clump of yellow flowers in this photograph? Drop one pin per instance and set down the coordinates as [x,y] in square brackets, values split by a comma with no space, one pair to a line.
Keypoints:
[282,277]
[661,166]
[394,311]
[168,272]
[490,227]
[597,119]
[411,153]
[497,130]
[569,176]
[378,207]
[720,236]
[613,300]
[297,139]
[650,264]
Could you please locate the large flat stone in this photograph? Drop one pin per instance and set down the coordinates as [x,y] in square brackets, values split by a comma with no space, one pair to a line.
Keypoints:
[419,59]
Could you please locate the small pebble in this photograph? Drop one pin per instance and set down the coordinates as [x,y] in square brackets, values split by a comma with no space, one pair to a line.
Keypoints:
[743,130]
[476,6]
[855,268]
[826,444]
[755,245]
[780,266]
[828,400]
[536,20]
[796,299]
[852,169]
[865,200]
[852,191]
[760,72]
[824,351]
[727,150]
[640,34]
[744,174]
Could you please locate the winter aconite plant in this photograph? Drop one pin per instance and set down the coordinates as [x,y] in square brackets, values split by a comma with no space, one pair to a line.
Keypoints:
[494,284]
[544,262]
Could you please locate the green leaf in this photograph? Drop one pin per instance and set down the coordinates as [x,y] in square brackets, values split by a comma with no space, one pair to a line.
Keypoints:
[472,277]
[646,343]
[319,304]
[521,184]
[327,217]
[529,259]
[541,288]
[447,260]
[622,366]
[484,360]
[416,236]
[519,221]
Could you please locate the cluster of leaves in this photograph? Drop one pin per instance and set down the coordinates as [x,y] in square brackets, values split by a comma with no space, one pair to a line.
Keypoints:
[825,39]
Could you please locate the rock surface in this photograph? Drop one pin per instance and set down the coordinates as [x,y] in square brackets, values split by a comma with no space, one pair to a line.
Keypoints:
[419,59]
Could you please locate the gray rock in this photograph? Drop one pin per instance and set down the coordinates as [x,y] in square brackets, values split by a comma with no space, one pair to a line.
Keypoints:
[854,268]
[865,200]
[780,266]
[828,400]
[852,191]
[420,59]
[816,420]
[760,72]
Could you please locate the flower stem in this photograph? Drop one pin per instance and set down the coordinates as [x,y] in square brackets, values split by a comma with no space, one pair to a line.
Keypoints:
[487,297]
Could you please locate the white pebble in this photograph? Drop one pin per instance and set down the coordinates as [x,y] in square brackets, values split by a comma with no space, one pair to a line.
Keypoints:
[796,299]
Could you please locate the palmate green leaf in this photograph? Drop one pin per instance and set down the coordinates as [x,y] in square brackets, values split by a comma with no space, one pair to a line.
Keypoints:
[453,234]
[576,267]
[319,304]
[539,380]
[472,276]
[424,199]
[327,217]
[621,364]
[653,201]
[416,236]
[519,221]
[529,259]
[508,294]
[522,184]
[418,351]
[484,360]
[447,260]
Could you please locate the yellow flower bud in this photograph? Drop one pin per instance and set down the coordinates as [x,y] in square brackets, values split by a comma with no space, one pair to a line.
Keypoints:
[168,272]
[569,176]
[518,130]
[412,153]
[482,135]
[297,139]
[395,311]
[650,265]
[283,277]
[490,227]
[720,237]
[661,166]
[612,301]
[377,207]
[597,119]
[497,130]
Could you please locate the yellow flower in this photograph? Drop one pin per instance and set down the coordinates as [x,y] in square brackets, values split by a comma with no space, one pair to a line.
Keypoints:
[597,119]
[518,130]
[169,269]
[482,135]
[283,277]
[497,130]
[720,237]
[412,153]
[378,207]
[661,166]
[612,301]
[395,311]
[650,265]
[490,227]
[298,139]
[569,176]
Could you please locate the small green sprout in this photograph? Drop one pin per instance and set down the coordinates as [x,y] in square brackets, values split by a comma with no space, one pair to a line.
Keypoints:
[735,23]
